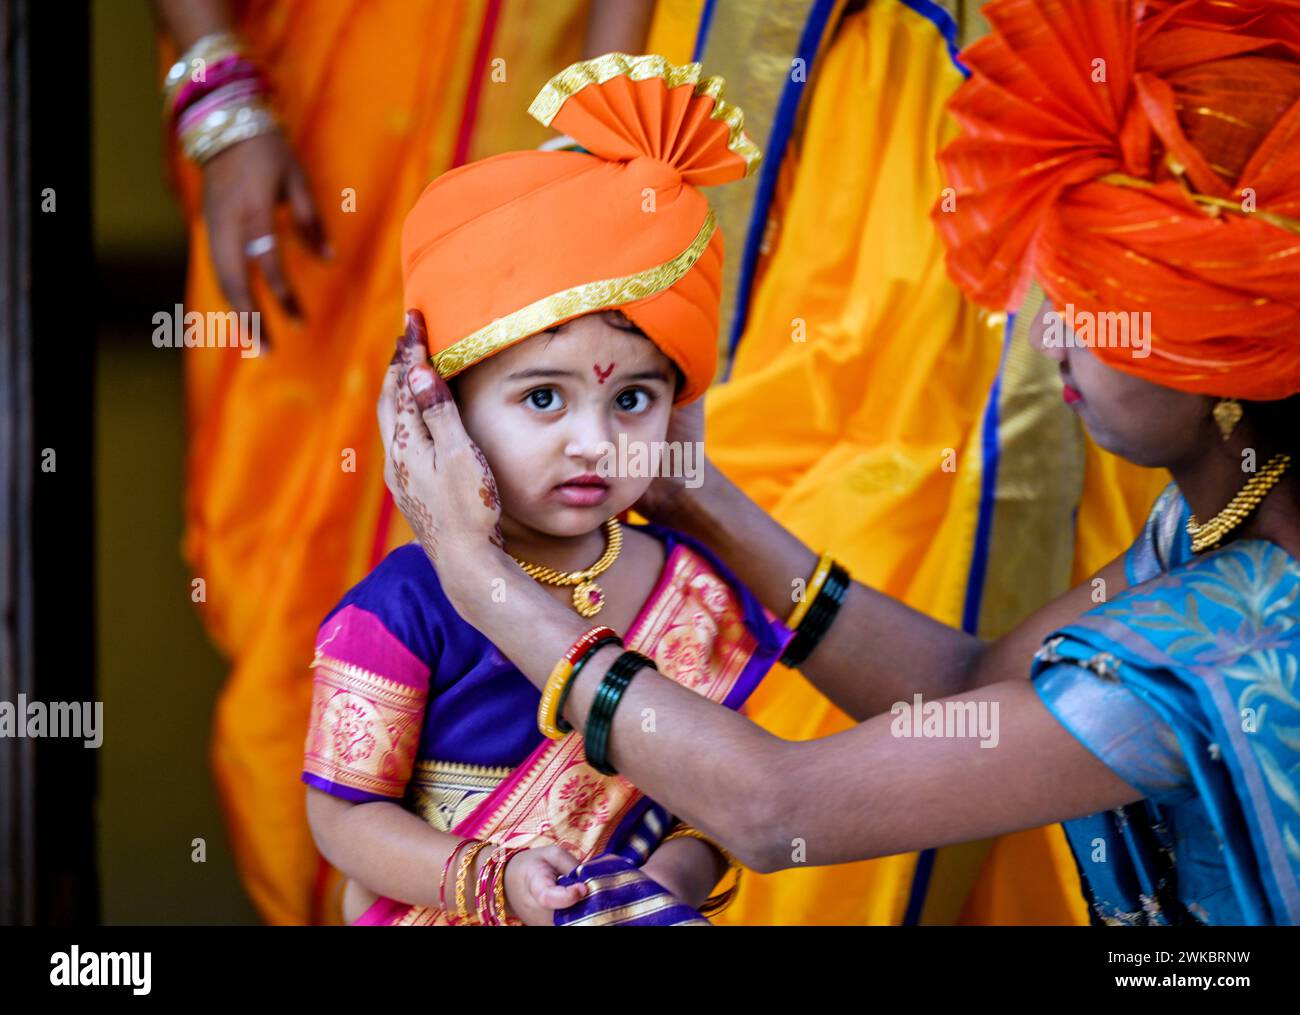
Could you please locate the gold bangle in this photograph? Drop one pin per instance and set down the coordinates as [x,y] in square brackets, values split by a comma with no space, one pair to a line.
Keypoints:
[224,127]
[504,919]
[719,901]
[815,584]
[466,863]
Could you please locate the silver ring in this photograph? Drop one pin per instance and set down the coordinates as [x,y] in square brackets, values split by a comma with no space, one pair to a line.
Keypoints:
[259,246]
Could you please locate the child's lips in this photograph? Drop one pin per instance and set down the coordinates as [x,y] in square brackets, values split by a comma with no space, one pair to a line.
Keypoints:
[582,491]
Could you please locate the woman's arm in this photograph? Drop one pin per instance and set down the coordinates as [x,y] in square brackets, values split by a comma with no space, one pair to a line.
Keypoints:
[187,21]
[775,803]
[878,650]
[688,868]
[617,26]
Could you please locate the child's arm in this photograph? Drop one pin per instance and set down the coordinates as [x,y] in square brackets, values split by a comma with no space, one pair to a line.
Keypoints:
[397,854]
[687,867]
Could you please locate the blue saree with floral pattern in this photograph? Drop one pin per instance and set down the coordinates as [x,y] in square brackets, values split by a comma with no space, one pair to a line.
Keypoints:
[1186,685]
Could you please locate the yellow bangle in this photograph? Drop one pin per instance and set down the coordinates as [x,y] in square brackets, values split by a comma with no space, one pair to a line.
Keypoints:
[719,901]
[549,707]
[553,691]
[815,584]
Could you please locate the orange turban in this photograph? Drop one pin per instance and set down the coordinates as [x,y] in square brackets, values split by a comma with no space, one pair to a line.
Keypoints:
[501,249]
[1139,156]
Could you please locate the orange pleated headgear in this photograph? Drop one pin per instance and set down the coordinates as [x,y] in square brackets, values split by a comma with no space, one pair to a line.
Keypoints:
[512,245]
[1139,156]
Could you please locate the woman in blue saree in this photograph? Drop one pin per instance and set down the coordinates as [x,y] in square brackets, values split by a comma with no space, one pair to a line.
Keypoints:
[1186,687]
[1104,143]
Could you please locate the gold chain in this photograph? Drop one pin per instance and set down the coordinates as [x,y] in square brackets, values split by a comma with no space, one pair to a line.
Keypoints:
[1239,508]
[588,597]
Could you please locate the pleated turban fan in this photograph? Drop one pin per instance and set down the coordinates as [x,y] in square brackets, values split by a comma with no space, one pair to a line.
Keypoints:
[1139,156]
[518,243]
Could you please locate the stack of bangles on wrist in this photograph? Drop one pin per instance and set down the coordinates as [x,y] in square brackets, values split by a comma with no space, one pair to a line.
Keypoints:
[610,692]
[489,888]
[719,901]
[811,618]
[555,693]
[214,97]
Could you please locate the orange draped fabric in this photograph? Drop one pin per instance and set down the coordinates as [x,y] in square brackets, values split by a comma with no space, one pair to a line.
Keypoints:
[285,472]
[1139,156]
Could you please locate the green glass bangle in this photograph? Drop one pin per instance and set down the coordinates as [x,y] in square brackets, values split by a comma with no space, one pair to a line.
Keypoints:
[600,720]
[560,724]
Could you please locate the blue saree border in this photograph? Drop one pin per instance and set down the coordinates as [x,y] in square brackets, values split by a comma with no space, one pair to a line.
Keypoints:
[702,33]
[942,20]
[991,456]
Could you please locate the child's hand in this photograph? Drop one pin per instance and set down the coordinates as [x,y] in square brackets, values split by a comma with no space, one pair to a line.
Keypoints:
[531,892]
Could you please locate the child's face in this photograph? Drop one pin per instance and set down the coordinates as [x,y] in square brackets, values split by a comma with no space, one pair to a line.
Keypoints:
[546,410]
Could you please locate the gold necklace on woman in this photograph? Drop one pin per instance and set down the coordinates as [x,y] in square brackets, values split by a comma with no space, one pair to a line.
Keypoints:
[588,597]
[1239,508]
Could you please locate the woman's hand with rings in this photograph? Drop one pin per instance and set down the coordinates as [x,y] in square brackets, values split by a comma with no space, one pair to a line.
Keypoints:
[242,186]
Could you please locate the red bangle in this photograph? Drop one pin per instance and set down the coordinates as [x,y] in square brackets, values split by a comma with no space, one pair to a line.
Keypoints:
[586,641]
[483,894]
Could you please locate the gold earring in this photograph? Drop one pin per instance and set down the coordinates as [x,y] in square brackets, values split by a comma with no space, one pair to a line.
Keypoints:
[1227,414]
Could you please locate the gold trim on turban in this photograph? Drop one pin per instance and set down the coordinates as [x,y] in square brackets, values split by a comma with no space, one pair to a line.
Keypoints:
[1213,205]
[569,303]
[573,79]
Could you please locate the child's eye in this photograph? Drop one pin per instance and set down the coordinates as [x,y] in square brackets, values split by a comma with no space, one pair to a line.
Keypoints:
[544,400]
[634,400]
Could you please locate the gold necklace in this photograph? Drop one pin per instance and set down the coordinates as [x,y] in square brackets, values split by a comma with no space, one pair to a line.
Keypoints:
[588,597]
[1239,508]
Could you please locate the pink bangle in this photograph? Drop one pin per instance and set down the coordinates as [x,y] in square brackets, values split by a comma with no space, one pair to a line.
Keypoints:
[483,895]
[223,72]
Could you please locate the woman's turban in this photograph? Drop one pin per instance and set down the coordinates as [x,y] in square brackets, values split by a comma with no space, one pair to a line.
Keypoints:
[504,248]
[1139,156]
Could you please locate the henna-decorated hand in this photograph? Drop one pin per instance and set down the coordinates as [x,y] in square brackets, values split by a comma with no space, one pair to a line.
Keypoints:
[439,478]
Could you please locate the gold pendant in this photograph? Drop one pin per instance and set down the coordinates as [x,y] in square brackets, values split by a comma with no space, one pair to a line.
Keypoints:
[588,598]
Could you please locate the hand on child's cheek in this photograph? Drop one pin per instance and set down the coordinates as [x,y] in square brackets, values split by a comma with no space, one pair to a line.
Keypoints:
[430,462]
